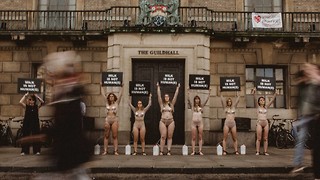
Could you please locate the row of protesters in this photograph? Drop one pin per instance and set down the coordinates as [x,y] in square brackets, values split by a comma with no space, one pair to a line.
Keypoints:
[230,123]
[166,124]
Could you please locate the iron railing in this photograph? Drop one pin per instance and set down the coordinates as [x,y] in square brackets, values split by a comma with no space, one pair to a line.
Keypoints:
[119,17]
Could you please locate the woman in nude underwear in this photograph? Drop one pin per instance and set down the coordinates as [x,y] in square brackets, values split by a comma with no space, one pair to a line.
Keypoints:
[197,122]
[166,124]
[112,120]
[262,122]
[139,126]
[229,123]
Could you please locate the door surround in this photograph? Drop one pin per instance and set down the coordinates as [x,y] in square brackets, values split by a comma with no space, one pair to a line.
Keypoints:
[123,48]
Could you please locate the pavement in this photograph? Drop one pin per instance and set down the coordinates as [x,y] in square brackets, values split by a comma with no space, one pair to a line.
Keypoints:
[209,166]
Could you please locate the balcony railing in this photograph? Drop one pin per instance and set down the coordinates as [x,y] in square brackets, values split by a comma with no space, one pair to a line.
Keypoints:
[123,18]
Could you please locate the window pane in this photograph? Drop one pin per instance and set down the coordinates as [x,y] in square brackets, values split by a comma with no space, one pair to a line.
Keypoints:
[260,72]
[268,72]
[279,87]
[280,101]
[277,3]
[279,74]
[267,2]
[250,101]
[250,74]
[249,87]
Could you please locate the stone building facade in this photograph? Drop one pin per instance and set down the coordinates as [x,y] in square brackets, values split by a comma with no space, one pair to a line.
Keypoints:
[199,53]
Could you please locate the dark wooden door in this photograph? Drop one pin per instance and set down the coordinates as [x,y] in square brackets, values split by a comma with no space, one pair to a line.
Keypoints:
[149,70]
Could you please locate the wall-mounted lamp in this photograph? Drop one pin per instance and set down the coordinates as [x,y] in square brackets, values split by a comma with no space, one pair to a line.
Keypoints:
[193,23]
[305,39]
[126,23]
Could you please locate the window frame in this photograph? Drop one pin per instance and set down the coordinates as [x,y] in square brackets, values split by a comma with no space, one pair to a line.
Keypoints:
[251,7]
[282,91]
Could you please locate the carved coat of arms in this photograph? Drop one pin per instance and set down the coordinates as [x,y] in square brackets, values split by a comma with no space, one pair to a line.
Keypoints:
[159,13]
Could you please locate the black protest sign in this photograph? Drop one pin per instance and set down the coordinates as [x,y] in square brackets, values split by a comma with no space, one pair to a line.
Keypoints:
[230,83]
[166,78]
[139,88]
[197,81]
[265,84]
[112,79]
[29,85]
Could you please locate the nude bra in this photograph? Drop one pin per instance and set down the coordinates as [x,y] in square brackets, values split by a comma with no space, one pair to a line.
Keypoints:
[262,111]
[230,111]
[166,109]
[197,109]
[141,114]
[111,109]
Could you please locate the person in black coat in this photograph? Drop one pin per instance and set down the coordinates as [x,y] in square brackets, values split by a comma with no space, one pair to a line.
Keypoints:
[31,124]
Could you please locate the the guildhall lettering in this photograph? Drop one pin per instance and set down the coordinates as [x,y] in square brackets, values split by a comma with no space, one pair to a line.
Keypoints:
[158,52]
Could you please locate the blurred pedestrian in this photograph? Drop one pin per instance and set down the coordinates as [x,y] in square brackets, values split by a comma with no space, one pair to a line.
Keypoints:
[112,119]
[139,127]
[197,122]
[166,124]
[230,122]
[70,146]
[31,124]
[308,80]
[262,122]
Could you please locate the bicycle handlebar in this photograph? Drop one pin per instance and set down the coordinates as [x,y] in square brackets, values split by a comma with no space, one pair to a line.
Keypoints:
[276,119]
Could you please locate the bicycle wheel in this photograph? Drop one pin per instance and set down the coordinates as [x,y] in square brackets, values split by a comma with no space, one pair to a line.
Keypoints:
[281,140]
[290,140]
[19,135]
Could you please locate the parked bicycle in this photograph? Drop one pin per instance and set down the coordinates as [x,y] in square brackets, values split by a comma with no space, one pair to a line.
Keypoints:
[6,137]
[279,136]
[285,138]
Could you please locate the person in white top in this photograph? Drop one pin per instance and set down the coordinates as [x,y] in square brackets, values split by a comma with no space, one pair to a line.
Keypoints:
[262,122]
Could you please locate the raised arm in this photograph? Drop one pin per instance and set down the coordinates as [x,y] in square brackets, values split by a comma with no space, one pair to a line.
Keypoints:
[130,105]
[189,101]
[255,96]
[103,92]
[272,100]
[41,100]
[206,101]
[23,99]
[223,100]
[149,103]
[159,95]
[174,100]
[120,94]
[237,100]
